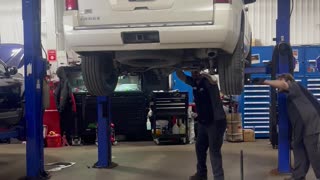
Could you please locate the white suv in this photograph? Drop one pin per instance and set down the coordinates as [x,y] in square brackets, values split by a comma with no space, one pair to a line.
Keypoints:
[154,37]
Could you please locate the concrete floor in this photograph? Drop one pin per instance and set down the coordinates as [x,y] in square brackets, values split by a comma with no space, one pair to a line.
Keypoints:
[144,160]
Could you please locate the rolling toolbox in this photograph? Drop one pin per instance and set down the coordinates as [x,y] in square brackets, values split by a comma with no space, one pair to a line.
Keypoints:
[170,111]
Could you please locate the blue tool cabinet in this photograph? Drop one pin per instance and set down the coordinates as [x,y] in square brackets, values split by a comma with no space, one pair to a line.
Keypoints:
[255,103]
[312,64]
[256,98]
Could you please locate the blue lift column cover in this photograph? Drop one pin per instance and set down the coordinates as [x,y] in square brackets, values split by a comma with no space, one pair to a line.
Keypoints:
[104,134]
[283,35]
[34,74]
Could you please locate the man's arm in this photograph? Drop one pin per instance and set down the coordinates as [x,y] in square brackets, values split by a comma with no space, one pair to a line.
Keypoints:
[277,84]
[183,77]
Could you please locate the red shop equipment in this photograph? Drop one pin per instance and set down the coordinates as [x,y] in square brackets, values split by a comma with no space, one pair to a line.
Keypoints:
[51,117]
[53,140]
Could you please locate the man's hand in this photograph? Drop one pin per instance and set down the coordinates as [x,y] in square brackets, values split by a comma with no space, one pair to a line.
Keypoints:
[258,81]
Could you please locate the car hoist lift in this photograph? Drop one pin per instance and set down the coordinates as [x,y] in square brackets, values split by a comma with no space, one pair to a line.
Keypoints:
[34,74]
[35,68]
[104,134]
[282,62]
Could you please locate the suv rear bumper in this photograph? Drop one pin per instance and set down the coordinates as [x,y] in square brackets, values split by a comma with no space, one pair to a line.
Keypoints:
[170,38]
[223,34]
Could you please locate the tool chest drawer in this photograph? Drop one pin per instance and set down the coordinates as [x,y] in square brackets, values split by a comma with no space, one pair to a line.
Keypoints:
[170,103]
[313,85]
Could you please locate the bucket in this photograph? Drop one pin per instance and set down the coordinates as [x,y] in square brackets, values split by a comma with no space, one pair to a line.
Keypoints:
[53,140]
[234,128]
[51,119]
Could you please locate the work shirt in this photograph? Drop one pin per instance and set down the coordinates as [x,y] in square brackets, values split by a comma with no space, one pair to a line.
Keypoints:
[63,93]
[303,110]
[208,102]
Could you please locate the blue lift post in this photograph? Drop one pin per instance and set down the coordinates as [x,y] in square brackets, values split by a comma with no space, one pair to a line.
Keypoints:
[283,35]
[34,74]
[103,122]
[104,134]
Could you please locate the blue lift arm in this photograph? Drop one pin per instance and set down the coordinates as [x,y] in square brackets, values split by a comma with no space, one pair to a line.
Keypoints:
[34,74]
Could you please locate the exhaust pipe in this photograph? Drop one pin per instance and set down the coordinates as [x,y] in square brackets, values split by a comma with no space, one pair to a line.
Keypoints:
[212,53]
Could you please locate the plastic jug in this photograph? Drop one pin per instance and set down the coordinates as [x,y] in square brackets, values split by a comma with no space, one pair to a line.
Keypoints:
[148,119]
[175,128]
[148,124]
[182,129]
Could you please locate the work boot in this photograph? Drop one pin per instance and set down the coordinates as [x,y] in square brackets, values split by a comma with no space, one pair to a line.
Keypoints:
[198,177]
[292,178]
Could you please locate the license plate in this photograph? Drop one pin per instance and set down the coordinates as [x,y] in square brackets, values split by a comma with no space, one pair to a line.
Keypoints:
[140,37]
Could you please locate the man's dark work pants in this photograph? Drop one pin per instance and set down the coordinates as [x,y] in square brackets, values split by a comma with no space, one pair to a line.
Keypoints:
[210,137]
[306,152]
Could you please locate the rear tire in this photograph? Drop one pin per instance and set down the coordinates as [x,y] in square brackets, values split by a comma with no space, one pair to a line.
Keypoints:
[231,70]
[99,74]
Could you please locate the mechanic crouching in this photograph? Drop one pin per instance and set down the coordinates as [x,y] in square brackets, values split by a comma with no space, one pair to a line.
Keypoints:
[304,114]
[211,123]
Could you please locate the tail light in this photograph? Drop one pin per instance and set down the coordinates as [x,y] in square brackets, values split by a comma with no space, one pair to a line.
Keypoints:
[224,1]
[71,5]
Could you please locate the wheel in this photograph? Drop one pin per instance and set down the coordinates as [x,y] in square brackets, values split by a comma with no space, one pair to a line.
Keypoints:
[231,70]
[99,74]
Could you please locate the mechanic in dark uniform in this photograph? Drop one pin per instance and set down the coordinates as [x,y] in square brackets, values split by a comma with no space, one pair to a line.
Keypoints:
[63,98]
[304,114]
[211,123]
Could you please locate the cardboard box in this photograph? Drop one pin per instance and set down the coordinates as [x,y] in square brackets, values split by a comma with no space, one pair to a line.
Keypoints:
[248,135]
